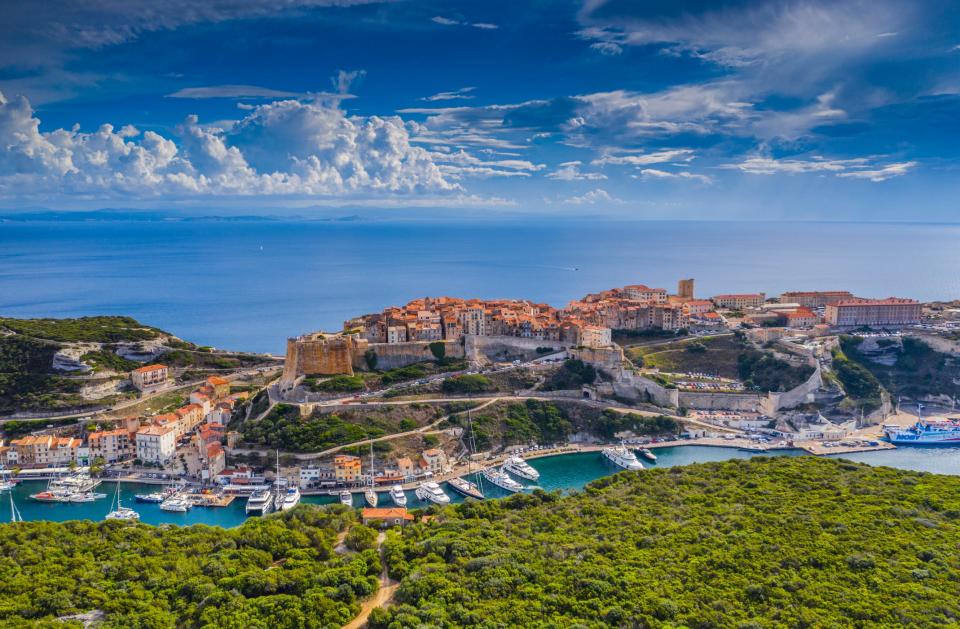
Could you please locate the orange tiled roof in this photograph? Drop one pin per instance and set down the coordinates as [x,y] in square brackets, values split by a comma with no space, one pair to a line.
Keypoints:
[386,514]
[149,368]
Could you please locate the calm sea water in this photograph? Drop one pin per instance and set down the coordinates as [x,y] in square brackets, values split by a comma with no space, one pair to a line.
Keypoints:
[562,472]
[249,285]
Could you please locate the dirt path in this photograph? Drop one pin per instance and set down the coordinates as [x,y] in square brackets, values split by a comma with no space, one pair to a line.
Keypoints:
[384,595]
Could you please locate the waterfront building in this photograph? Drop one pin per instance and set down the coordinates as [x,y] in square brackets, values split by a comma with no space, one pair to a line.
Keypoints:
[815,298]
[111,445]
[595,336]
[892,311]
[739,301]
[435,461]
[45,450]
[382,518]
[190,417]
[405,467]
[149,378]
[157,443]
[346,468]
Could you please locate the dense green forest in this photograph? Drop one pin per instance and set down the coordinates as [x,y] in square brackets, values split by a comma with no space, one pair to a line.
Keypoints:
[765,542]
[279,571]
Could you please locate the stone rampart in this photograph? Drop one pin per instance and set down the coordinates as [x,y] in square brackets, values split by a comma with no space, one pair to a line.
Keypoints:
[505,348]
[395,355]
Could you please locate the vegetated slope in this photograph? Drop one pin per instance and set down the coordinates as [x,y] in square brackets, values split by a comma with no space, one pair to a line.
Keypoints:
[918,370]
[279,571]
[26,380]
[766,542]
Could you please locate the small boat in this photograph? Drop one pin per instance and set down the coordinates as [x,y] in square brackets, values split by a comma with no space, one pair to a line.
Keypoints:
[517,466]
[752,448]
[346,498]
[7,485]
[622,457]
[51,496]
[120,512]
[502,480]
[430,491]
[648,454]
[291,499]
[156,498]
[86,497]
[398,496]
[260,502]
[466,488]
[371,497]
[179,505]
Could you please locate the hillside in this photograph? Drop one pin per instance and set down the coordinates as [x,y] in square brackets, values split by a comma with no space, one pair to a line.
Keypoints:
[268,572]
[906,366]
[768,542]
[65,364]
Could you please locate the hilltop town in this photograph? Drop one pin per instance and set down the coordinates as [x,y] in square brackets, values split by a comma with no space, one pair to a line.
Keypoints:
[412,381]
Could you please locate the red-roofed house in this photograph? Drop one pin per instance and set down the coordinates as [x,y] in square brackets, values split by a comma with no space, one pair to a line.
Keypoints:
[149,377]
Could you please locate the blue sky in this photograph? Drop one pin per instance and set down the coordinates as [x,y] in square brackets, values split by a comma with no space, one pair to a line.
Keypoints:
[725,110]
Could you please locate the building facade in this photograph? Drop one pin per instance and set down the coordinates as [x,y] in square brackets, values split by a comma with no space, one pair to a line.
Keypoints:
[739,301]
[893,311]
[156,444]
[150,377]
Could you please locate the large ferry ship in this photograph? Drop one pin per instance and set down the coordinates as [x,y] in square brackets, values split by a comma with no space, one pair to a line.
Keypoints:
[930,431]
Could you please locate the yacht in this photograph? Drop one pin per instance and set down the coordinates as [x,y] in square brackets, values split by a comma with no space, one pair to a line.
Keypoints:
[430,491]
[76,483]
[466,488]
[120,512]
[648,454]
[517,466]
[502,480]
[291,499]
[260,502]
[346,498]
[155,497]
[5,483]
[86,497]
[370,496]
[177,504]
[398,496]
[621,456]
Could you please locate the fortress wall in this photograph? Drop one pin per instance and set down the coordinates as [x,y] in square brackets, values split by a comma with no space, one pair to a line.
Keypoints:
[607,358]
[635,387]
[503,348]
[722,401]
[395,355]
[800,394]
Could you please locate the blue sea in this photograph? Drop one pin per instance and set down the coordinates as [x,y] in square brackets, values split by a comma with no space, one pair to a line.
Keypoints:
[248,285]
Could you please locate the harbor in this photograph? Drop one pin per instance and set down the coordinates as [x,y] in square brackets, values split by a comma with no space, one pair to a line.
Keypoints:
[564,469]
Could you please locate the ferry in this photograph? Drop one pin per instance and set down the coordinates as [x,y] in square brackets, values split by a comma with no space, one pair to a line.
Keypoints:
[502,480]
[930,431]
[290,499]
[466,488]
[432,492]
[260,502]
[622,457]
[648,454]
[398,496]
[346,498]
[517,466]
[155,498]
[371,497]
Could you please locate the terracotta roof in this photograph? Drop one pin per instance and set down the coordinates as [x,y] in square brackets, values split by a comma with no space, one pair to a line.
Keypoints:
[386,514]
[217,380]
[149,368]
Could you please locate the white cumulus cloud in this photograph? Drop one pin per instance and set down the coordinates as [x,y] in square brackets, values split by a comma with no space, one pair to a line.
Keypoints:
[599,195]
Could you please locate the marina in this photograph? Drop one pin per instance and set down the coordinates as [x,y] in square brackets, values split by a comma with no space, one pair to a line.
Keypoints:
[566,470]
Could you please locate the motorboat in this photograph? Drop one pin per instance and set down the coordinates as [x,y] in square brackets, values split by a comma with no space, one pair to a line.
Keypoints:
[86,497]
[176,504]
[398,496]
[51,496]
[465,488]
[621,456]
[648,454]
[346,498]
[518,467]
[430,491]
[260,502]
[502,480]
[371,497]
[156,498]
[290,499]
[77,483]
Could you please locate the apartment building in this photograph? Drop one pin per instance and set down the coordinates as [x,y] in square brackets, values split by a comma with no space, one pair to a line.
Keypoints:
[150,377]
[346,468]
[435,460]
[814,298]
[595,336]
[111,445]
[892,311]
[739,301]
[157,443]
[45,450]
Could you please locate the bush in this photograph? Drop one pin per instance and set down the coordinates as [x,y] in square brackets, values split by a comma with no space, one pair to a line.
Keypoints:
[338,383]
[574,374]
[360,538]
[469,383]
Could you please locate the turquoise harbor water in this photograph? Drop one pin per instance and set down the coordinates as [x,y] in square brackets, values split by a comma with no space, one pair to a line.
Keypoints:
[562,472]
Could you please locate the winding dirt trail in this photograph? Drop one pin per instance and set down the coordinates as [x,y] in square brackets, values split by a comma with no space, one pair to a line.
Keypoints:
[384,595]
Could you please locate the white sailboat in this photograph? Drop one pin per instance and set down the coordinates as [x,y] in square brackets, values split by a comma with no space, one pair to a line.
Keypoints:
[370,495]
[120,512]
[14,512]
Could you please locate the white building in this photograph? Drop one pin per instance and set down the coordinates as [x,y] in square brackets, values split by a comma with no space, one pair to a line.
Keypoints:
[156,444]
